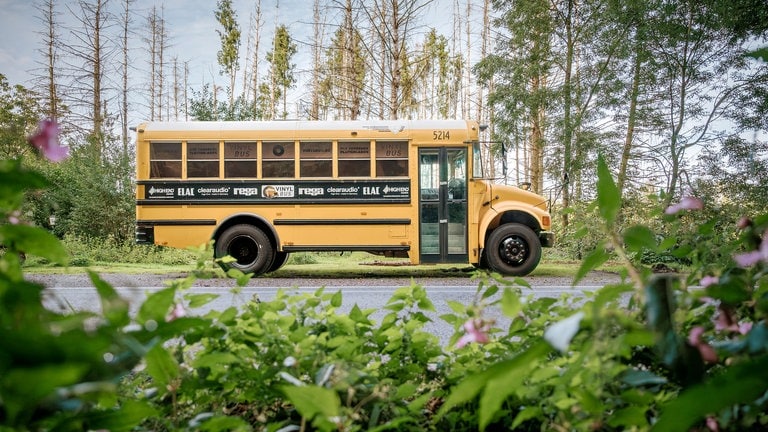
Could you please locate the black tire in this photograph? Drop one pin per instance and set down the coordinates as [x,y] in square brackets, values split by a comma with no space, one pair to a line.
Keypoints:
[280,259]
[513,249]
[249,246]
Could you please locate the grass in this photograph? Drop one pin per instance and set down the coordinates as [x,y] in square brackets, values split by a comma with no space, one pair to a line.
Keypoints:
[133,259]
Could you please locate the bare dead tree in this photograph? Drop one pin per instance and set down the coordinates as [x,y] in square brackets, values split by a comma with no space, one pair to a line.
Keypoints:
[90,54]
[47,78]
[393,24]
[157,44]
[125,20]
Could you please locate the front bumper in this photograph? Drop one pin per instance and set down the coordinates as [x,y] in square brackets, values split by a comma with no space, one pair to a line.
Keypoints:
[547,238]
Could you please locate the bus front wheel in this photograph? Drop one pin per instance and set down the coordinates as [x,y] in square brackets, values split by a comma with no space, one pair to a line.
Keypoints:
[249,246]
[513,249]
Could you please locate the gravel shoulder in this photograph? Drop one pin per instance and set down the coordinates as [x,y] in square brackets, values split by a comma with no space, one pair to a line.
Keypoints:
[158,280]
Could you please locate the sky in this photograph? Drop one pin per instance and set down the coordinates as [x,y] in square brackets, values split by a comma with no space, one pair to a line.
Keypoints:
[192,27]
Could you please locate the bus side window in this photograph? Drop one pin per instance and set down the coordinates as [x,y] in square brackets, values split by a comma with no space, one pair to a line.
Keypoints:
[165,160]
[202,159]
[354,159]
[392,159]
[240,159]
[278,159]
[316,159]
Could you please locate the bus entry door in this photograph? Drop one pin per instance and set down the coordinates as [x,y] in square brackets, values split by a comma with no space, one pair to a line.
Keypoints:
[443,205]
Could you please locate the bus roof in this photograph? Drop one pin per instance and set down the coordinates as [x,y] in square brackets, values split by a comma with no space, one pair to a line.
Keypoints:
[393,126]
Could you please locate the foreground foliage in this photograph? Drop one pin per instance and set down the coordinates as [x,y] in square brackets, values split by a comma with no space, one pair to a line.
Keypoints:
[648,353]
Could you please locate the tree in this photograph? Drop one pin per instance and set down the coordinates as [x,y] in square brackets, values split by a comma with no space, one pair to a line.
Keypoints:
[702,72]
[228,55]
[345,68]
[393,23]
[20,111]
[92,55]
[440,76]
[157,45]
[281,68]
[50,39]
[253,54]
[521,69]
[124,71]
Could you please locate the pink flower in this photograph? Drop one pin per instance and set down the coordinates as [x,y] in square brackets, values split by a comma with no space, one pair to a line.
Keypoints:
[687,203]
[708,353]
[46,141]
[712,424]
[749,259]
[709,280]
[15,217]
[476,331]
[744,223]
[176,313]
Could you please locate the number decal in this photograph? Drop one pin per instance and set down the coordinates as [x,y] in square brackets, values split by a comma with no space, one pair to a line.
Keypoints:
[441,135]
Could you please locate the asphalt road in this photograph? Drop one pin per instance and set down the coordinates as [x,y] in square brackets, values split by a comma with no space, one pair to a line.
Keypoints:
[76,292]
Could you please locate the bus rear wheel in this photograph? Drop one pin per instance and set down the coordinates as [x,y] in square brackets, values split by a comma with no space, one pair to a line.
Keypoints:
[513,249]
[280,259]
[249,246]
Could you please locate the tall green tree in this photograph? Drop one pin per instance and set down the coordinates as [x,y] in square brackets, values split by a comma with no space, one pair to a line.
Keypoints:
[20,110]
[521,68]
[345,69]
[439,75]
[281,68]
[229,34]
[702,72]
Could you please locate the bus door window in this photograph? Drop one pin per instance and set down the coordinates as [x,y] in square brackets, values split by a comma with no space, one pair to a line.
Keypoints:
[391,158]
[316,159]
[240,159]
[278,159]
[202,159]
[165,160]
[429,191]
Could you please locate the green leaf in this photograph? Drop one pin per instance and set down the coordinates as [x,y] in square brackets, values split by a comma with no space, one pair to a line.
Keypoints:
[336,299]
[498,380]
[215,359]
[35,241]
[510,303]
[24,388]
[608,195]
[493,289]
[637,378]
[505,379]
[633,417]
[610,293]
[199,300]
[225,423]
[114,308]
[741,383]
[593,260]
[312,401]
[162,367]
[759,54]
[157,305]
[638,238]
[129,415]
[526,414]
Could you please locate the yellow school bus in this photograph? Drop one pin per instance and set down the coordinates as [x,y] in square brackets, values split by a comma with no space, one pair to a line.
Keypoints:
[400,188]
